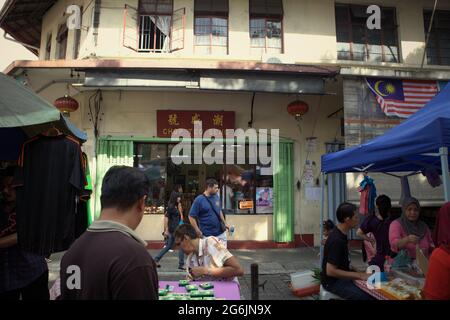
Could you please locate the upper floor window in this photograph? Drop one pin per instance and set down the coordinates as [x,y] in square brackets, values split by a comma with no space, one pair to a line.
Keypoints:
[438,46]
[48,47]
[211,26]
[356,42]
[61,39]
[155,19]
[266,32]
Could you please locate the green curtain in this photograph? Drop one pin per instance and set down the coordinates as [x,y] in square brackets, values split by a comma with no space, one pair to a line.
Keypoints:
[110,153]
[283,194]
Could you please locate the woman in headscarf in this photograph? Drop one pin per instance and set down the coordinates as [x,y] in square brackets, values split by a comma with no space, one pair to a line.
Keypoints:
[437,282]
[408,231]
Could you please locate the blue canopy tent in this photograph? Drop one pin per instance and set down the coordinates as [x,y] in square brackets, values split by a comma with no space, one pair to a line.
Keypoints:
[24,114]
[420,142]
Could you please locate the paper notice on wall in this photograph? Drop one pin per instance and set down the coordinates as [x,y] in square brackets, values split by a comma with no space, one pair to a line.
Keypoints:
[313,193]
[308,175]
[311,144]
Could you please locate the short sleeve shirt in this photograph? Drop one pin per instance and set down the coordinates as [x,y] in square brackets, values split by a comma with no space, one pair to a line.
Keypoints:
[336,253]
[211,254]
[207,214]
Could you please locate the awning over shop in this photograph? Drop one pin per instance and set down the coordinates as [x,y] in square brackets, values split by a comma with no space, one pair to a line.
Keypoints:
[208,80]
[24,114]
[19,106]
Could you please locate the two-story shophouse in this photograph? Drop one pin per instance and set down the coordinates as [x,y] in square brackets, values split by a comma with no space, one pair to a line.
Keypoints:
[139,69]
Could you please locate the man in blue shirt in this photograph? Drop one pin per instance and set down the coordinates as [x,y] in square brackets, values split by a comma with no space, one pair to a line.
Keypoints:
[206,214]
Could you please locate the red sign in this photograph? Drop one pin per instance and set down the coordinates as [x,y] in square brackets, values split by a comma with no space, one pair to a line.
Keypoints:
[170,120]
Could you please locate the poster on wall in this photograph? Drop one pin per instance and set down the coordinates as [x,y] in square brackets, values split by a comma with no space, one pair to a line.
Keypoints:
[308,174]
[311,144]
[264,200]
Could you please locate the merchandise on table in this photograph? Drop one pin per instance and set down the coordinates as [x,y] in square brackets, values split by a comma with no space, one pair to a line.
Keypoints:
[183,283]
[163,292]
[191,287]
[207,286]
[205,293]
[170,288]
[401,290]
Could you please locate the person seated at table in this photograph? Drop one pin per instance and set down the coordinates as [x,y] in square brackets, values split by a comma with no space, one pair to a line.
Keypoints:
[437,282]
[207,258]
[408,230]
[378,225]
[337,276]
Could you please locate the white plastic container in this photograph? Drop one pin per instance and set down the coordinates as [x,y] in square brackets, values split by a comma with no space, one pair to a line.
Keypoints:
[304,279]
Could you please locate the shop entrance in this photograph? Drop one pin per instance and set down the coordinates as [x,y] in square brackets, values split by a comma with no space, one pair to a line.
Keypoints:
[244,189]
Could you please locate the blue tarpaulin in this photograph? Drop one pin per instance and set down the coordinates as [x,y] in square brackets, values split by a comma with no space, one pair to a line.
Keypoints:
[404,147]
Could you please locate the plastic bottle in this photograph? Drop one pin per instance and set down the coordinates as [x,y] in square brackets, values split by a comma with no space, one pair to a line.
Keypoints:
[231,231]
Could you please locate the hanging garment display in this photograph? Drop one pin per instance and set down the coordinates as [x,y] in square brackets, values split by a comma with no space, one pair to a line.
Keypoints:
[368,194]
[49,182]
[433,177]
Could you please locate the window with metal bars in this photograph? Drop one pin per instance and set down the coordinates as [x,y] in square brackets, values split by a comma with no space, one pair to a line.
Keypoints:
[438,46]
[266,28]
[155,20]
[211,26]
[357,42]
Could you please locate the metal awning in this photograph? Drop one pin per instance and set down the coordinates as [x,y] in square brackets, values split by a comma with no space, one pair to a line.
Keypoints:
[207,80]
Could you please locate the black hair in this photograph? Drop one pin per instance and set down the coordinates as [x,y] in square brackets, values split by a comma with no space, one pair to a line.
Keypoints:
[384,205]
[173,198]
[122,187]
[177,187]
[8,172]
[185,230]
[345,210]
[328,225]
[211,183]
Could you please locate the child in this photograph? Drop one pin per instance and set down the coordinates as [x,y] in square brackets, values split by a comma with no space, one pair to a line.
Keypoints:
[327,226]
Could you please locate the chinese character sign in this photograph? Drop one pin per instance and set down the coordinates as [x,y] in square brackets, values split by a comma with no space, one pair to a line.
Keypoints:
[170,120]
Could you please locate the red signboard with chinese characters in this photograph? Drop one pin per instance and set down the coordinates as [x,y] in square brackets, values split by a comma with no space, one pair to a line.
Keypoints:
[170,120]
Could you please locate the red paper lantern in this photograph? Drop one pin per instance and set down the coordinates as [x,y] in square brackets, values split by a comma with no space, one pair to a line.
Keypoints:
[297,109]
[66,104]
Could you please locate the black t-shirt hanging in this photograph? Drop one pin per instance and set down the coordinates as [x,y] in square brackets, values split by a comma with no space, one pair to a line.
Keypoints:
[48,181]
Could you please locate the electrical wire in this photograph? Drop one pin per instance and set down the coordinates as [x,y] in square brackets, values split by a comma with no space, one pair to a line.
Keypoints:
[302,171]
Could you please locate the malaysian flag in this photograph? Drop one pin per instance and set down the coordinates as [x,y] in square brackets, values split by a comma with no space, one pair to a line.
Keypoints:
[402,98]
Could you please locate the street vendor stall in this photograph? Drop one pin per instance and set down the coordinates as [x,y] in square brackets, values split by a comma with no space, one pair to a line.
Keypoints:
[44,149]
[418,144]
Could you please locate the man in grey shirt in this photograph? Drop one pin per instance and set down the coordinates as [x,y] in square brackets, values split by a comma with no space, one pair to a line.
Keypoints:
[109,261]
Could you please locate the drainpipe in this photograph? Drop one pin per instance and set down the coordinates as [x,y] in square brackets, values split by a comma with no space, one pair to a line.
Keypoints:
[428,33]
[96,21]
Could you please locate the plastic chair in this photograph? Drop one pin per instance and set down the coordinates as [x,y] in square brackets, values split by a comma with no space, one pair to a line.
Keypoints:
[327,295]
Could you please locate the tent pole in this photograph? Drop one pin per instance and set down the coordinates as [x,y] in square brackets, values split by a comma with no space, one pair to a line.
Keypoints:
[445,176]
[322,209]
